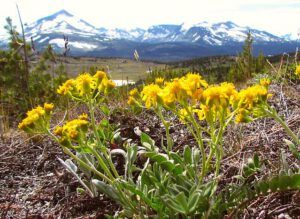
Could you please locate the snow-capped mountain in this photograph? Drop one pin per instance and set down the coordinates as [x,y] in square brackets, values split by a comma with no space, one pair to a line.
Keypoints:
[183,40]
[292,36]
[61,22]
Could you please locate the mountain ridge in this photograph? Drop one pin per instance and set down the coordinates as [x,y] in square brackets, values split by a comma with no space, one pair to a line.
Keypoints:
[155,42]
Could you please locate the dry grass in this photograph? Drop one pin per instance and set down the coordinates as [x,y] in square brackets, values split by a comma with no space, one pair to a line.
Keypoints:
[118,68]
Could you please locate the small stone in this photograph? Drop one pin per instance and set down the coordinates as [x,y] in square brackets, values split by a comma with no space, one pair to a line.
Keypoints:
[284,216]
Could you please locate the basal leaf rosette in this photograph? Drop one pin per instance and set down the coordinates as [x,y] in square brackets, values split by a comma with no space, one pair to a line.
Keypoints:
[86,86]
[37,119]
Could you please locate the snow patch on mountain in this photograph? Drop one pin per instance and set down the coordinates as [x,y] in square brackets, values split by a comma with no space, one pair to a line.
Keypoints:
[85,46]
[79,45]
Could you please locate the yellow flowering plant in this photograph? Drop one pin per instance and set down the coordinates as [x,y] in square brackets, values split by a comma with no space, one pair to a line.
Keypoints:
[206,110]
[155,182]
[38,119]
[87,141]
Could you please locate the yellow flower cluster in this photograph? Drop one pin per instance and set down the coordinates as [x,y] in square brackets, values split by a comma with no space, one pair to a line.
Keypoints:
[297,72]
[134,95]
[265,82]
[187,88]
[85,85]
[249,99]
[37,119]
[72,130]
[159,81]
[150,95]
[195,96]
[252,96]
[216,100]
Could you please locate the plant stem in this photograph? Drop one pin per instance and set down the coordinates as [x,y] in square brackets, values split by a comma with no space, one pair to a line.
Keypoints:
[93,121]
[273,114]
[68,152]
[199,141]
[167,127]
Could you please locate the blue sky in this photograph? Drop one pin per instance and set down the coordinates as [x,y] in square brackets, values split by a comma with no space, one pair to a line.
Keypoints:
[276,16]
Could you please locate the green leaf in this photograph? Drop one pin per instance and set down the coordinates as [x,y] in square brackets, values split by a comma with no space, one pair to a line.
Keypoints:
[196,156]
[197,202]
[181,200]
[173,205]
[159,158]
[104,123]
[105,110]
[292,148]
[167,165]
[256,161]
[147,142]
[80,191]
[187,155]
[178,169]
[295,181]
[136,191]
[145,179]
[106,189]
[239,177]
[176,158]
[193,201]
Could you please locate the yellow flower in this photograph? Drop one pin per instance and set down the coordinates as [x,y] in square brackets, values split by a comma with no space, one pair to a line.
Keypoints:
[173,91]
[265,82]
[83,116]
[216,101]
[58,130]
[131,101]
[252,96]
[297,72]
[106,85]
[48,107]
[72,129]
[85,84]
[110,84]
[159,81]
[202,112]
[193,83]
[242,116]
[183,114]
[99,76]
[195,80]
[134,92]
[73,134]
[219,95]
[150,95]
[37,120]
[67,87]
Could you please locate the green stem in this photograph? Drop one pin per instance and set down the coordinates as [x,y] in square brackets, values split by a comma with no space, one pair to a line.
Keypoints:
[68,152]
[100,158]
[273,114]
[167,127]
[125,198]
[199,140]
